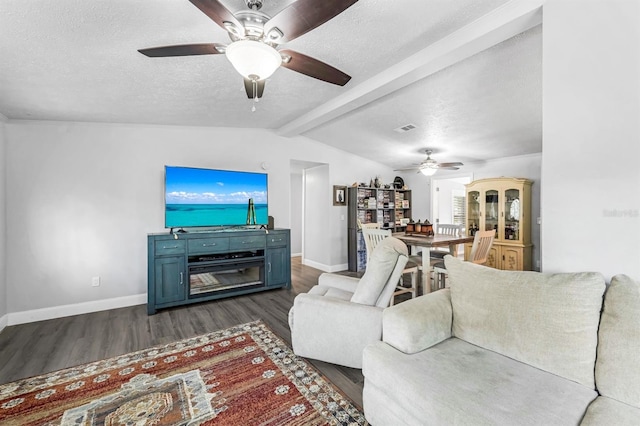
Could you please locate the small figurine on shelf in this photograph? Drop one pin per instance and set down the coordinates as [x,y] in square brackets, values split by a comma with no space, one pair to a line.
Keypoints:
[376,182]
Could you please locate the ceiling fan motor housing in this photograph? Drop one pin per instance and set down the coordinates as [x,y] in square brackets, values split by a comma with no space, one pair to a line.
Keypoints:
[253,25]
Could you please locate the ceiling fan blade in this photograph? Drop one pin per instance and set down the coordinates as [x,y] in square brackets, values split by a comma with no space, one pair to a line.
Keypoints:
[183,50]
[217,12]
[447,165]
[314,68]
[410,169]
[301,17]
[448,168]
[248,87]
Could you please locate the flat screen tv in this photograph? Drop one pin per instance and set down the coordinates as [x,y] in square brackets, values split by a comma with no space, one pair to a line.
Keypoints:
[209,198]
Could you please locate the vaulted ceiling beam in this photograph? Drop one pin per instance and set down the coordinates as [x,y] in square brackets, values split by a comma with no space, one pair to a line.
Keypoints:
[501,24]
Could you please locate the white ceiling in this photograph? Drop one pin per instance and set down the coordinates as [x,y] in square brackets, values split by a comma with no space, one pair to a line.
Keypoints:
[466,73]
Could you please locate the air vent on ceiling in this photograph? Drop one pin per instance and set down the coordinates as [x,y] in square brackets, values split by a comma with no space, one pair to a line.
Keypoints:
[405,128]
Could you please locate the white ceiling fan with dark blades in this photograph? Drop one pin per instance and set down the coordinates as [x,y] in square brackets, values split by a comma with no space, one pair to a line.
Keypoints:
[255,38]
[429,166]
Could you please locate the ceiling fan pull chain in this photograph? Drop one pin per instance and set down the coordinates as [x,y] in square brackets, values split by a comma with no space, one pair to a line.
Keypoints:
[254,84]
[255,90]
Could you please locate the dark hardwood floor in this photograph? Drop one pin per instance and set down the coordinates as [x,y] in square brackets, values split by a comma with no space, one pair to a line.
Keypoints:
[36,348]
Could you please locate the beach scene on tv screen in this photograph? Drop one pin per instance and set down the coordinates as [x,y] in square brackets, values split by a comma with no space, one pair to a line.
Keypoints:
[202,197]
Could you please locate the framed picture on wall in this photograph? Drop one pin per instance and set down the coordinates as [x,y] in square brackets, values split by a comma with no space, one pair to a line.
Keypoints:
[339,195]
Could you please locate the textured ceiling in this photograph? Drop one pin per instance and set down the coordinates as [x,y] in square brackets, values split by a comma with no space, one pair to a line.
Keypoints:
[77,60]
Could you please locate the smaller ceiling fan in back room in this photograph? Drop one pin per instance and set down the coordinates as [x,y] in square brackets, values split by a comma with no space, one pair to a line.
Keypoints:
[429,166]
[255,38]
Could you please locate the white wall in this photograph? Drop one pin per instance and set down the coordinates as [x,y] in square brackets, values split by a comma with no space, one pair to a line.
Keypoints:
[81,198]
[296,212]
[591,136]
[3,280]
[526,166]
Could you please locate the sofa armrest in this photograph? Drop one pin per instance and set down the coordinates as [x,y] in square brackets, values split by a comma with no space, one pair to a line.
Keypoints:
[418,324]
[341,282]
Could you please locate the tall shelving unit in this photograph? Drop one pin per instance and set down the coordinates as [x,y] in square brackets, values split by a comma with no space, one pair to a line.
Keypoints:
[388,207]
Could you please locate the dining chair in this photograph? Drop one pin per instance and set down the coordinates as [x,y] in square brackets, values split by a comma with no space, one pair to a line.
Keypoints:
[445,229]
[371,225]
[482,242]
[372,237]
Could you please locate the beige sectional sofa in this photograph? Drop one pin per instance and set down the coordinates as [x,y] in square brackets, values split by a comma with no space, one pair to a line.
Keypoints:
[507,348]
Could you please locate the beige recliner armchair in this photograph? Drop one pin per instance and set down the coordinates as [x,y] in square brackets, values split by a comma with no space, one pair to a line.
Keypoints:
[341,315]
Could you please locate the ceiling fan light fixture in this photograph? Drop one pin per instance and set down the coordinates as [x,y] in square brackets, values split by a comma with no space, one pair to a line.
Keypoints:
[428,171]
[253,59]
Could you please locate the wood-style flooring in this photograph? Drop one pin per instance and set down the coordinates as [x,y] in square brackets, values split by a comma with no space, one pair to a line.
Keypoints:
[41,347]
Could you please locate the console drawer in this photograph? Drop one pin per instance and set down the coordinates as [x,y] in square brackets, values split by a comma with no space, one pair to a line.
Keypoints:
[208,245]
[277,239]
[164,247]
[250,242]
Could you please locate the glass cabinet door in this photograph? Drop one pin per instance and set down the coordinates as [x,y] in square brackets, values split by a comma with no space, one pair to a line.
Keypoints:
[473,212]
[512,214]
[491,211]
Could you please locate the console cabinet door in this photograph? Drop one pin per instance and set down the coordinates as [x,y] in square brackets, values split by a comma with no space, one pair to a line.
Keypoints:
[278,268]
[170,279]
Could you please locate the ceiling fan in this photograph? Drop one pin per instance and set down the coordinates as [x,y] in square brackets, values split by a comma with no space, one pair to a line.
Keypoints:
[255,38]
[429,166]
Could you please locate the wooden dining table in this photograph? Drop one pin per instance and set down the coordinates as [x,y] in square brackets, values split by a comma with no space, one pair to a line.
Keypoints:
[429,242]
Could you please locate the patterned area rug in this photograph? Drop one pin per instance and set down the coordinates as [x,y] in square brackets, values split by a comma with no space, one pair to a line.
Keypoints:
[243,375]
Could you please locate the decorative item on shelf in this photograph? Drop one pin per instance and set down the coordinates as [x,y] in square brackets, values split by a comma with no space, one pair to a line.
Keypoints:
[371,183]
[376,182]
[398,183]
[339,195]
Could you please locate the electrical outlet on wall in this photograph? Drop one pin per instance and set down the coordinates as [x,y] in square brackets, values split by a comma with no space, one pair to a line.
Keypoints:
[95,282]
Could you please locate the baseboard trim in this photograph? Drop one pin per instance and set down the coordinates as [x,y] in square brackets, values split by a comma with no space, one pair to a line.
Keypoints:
[43,314]
[323,267]
[4,321]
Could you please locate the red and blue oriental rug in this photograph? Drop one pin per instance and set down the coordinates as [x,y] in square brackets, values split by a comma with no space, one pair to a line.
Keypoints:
[244,375]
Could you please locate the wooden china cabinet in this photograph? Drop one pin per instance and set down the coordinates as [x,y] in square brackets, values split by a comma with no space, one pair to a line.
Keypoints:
[502,204]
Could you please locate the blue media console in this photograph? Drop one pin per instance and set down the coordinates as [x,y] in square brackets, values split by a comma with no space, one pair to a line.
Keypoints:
[194,267]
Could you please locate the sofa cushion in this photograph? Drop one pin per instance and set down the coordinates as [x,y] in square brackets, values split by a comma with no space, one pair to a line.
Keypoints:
[336,293]
[380,267]
[607,411]
[455,382]
[618,363]
[549,321]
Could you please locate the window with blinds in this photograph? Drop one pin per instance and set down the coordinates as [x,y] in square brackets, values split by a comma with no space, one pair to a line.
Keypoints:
[459,212]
